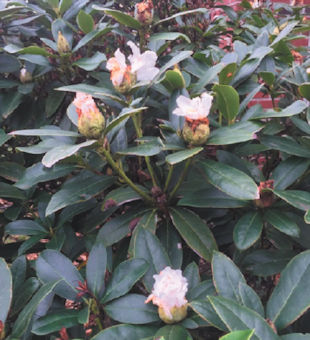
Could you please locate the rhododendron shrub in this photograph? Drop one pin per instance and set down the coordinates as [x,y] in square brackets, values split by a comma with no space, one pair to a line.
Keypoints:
[154,174]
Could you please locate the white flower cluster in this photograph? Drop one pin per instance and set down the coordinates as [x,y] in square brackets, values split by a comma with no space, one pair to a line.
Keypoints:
[142,65]
[196,108]
[169,290]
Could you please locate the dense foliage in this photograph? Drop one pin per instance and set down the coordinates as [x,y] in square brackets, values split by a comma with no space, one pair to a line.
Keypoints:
[98,196]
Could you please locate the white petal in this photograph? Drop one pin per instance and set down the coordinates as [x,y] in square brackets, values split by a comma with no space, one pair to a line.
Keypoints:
[178,112]
[147,74]
[120,58]
[183,101]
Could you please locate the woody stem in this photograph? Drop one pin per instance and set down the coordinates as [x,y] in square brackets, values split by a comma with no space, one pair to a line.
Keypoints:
[181,179]
[122,174]
[147,158]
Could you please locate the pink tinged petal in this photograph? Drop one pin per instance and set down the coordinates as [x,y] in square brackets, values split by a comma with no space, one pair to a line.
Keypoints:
[112,63]
[120,58]
[183,101]
[178,112]
[149,58]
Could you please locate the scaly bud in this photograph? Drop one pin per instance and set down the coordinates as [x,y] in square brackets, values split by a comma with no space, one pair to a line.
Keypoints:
[266,197]
[91,122]
[196,132]
[144,12]
[62,44]
[25,76]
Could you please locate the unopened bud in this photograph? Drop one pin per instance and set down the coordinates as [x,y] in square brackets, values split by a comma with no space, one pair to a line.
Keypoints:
[196,132]
[266,197]
[25,76]
[176,314]
[62,44]
[144,12]
[129,80]
[91,122]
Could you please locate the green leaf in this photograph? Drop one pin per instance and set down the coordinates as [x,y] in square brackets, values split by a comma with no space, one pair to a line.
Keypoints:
[236,133]
[193,11]
[173,332]
[268,77]
[194,231]
[121,17]
[230,180]
[291,296]
[9,102]
[128,332]
[95,269]
[180,156]
[91,36]
[132,309]
[191,273]
[123,195]
[8,191]
[238,335]
[146,149]
[53,266]
[304,90]
[4,137]
[227,99]
[169,36]
[226,277]
[205,310]
[147,246]
[85,22]
[54,322]
[5,291]
[63,151]
[124,277]
[207,77]
[250,299]
[307,217]
[295,336]
[37,173]
[53,102]
[118,227]
[11,171]
[210,198]
[24,318]
[282,222]
[173,80]
[238,317]
[35,50]
[297,198]
[64,5]
[78,191]
[227,73]
[286,31]
[90,64]
[25,227]
[288,171]
[248,230]
[44,132]
[9,63]
[294,109]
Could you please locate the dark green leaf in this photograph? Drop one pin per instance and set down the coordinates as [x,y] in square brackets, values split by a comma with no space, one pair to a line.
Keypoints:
[238,335]
[52,266]
[227,99]
[9,191]
[90,64]
[85,22]
[291,296]
[25,227]
[230,180]
[282,222]
[132,309]
[227,73]
[304,90]
[248,230]
[297,198]
[95,269]
[124,277]
[5,291]
[194,231]
[128,332]
[297,107]
[173,332]
[180,156]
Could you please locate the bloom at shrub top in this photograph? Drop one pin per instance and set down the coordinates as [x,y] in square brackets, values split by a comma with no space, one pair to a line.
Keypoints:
[141,68]
[196,108]
[168,294]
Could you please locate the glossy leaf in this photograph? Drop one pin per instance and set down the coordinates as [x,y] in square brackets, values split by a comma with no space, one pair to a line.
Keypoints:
[230,180]
[85,22]
[132,309]
[44,132]
[290,298]
[173,332]
[236,133]
[95,269]
[53,266]
[128,332]
[248,230]
[180,156]
[5,291]
[25,316]
[238,335]
[90,64]
[125,275]
[297,107]
[237,317]
[25,227]
[78,191]
[304,90]
[297,198]
[282,222]
[194,231]
[227,99]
